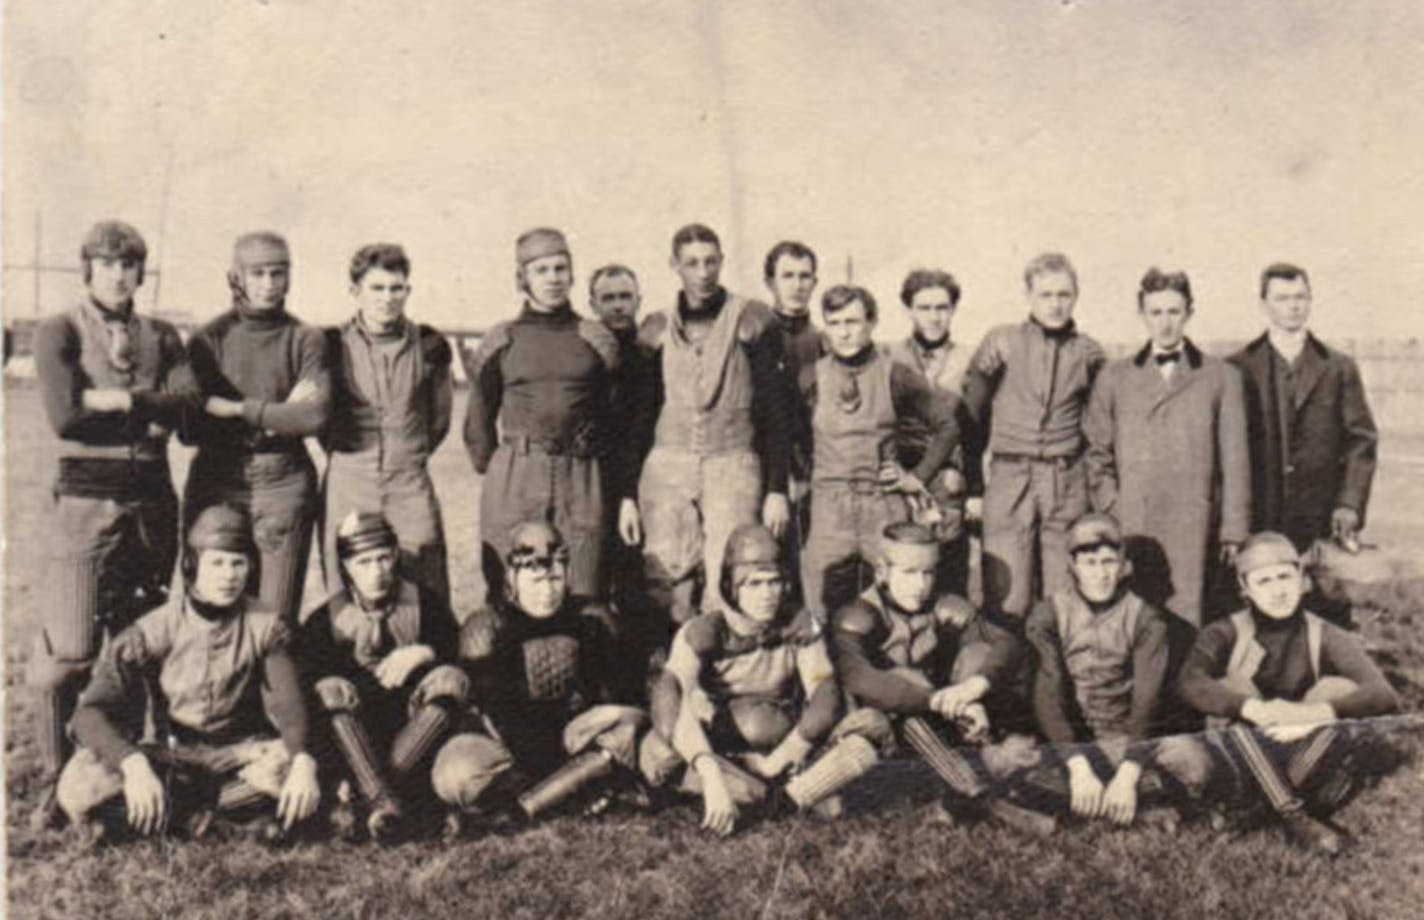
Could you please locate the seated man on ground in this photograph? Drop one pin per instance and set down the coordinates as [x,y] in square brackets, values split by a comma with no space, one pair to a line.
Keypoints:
[542,667]
[924,666]
[748,694]
[1288,686]
[232,724]
[380,653]
[1101,669]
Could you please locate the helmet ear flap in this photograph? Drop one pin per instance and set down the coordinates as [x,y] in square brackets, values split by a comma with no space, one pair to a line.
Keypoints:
[724,584]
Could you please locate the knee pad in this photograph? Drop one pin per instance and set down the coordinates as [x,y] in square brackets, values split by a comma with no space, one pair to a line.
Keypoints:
[761,723]
[445,684]
[85,783]
[337,694]
[1186,760]
[870,724]
[466,766]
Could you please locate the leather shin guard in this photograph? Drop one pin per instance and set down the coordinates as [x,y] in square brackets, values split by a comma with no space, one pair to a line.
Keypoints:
[1276,785]
[53,709]
[564,782]
[951,766]
[237,795]
[356,749]
[848,760]
[418,737]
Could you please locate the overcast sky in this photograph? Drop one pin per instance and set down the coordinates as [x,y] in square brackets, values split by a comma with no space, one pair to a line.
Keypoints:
[1209,136]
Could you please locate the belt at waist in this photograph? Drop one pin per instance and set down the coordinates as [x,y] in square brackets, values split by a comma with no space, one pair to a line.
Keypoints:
[111,477]
[258,444]
[578,445]
[1062,460]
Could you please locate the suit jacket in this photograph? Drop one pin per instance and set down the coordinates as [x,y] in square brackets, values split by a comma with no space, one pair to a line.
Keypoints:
[1168,457]
[1314,455]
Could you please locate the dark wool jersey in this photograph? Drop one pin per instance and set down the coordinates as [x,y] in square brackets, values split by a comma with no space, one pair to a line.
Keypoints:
[533,676]
[872,640]
[786,663]
[544,377]
[801,346]
[1284,670]
[257,358]
[340,638]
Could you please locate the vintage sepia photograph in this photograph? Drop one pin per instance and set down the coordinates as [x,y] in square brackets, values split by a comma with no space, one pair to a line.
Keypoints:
[682,459]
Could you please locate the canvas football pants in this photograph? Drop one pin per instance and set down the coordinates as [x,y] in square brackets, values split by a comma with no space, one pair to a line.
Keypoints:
[690,504]
[840,551]
[110,561]
[279,491]
[1029,505]
[405,496]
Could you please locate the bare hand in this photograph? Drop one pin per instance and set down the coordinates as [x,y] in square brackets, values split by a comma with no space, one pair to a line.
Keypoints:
[1283,733]
[1119,802]
[300,792]
[776,513]
[767,766]
[974,509]
[144,799]
[1344,527]
[973,724]
[1084,788]
[1228,553]
[895,478]
[630,523]
[218,407]
[719,811]
[107,400]
[953,701]
[395,668]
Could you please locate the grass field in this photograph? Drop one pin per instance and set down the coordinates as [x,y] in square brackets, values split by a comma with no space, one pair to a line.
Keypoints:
[890,857]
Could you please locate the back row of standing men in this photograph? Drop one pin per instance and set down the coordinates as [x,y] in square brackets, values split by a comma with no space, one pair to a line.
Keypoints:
[647,445]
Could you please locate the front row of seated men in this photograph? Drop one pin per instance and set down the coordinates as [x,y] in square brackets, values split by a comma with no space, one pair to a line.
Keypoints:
[528,703]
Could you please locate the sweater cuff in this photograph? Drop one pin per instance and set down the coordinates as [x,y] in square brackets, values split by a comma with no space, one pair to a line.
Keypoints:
[252,410]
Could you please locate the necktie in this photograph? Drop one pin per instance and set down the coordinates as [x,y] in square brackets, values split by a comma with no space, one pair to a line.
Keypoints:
[121,351]
[1168,357]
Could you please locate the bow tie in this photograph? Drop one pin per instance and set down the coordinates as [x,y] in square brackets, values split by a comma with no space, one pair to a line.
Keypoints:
[1167,357]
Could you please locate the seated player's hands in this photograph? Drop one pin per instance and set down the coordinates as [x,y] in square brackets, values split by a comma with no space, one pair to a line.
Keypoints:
[305,391]
[218,407]
[973,724]
[1345,527]
[974,508]
[1085,790]
[144,799]
[719,811]
[895,478]
[1119,802]
[107,400]
[791,752]
[776,513]
[300,792]
[630,522]
[953,701]
[1285,734]
[395,669]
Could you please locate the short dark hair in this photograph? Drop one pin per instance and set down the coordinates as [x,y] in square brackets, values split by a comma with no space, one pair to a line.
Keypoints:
[1048,263]
[694,233]
[609,271]
[843,295]
[387,256]
[791,249]
[1284,271]
[1158,280]
[924,278]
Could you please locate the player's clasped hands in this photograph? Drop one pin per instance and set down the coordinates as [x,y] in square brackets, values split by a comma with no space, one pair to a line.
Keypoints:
[395,669]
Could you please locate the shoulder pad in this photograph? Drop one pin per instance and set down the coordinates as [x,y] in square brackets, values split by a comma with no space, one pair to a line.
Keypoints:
[803,629]
[704,634]
[434,346]
[652,329]
[857,617]
[160,327]
[1092,350]
[755,320]
[479,634]
[954,612]
[899,352]
[271,631]
[491,343]
[603,342]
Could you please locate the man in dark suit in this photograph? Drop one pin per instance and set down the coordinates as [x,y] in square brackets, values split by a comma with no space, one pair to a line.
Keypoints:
[1312,437]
